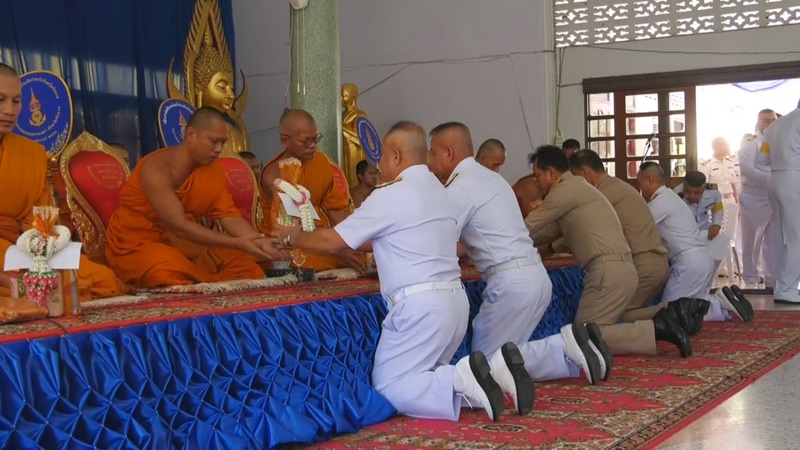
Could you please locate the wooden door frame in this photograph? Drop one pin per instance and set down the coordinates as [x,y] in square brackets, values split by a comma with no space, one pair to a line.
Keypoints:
[684,79]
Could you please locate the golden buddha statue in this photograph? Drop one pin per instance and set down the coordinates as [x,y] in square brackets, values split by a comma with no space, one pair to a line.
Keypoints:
[208,74]
[352,151]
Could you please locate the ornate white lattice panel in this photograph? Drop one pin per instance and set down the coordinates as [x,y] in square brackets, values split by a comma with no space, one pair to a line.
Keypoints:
[589,22]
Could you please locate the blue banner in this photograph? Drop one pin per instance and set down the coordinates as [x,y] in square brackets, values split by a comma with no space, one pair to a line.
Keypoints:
[370,141]
[172,118]
[46,115]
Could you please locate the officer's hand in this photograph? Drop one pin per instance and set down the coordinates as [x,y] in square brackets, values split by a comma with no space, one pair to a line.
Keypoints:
[280,232]
[713,232]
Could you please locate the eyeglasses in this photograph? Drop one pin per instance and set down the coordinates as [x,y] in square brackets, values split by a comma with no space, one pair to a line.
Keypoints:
[308,143]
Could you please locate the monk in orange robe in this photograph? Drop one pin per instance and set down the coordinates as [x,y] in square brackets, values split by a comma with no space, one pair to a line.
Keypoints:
[528,194]
[154,239]
[23,183]
[299,138]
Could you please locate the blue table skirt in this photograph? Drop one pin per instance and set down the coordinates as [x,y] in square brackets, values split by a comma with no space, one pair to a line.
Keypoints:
[256,379]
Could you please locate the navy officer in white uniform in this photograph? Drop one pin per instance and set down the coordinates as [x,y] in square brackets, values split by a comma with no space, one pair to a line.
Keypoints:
[754,208]
[780,152]
[691,268]
[413,231]
[704,201]
[518,289]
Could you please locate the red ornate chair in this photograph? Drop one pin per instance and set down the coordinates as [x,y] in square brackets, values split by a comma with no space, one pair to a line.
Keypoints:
[94,174]
[242,186]
[59,189]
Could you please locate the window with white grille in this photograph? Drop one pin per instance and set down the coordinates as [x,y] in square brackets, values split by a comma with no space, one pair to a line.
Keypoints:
[591,22]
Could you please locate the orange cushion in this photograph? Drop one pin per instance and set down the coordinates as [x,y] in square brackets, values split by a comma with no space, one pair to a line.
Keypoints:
[99,178]
[241,185]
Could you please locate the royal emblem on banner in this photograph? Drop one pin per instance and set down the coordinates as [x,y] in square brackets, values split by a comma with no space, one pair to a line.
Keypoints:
[172,118]
[46,115]
[370,141]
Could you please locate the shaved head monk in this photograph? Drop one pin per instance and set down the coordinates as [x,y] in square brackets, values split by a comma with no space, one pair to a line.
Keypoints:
[527,192]
[154,238]
[491,154]
[23,184]
[299,138]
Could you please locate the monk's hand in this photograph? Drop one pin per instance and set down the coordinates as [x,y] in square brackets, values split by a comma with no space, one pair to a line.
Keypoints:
[250,245]
[535,205]
[270,249]
[713,232]
[351,259]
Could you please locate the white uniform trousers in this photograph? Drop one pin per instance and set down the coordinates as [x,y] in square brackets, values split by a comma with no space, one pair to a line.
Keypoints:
[691,275]
[514,303]
[784,197]
[754,215]
[420,336]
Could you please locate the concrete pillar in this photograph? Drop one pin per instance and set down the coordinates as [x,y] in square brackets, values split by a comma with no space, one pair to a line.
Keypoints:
[316,76]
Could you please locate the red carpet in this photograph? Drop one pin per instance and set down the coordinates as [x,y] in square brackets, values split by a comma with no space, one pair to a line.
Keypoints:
[646,400]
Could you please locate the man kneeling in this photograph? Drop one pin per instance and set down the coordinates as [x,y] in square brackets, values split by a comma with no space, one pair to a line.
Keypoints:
[154,239]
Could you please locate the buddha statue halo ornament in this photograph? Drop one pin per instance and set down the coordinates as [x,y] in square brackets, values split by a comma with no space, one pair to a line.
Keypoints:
[208,74]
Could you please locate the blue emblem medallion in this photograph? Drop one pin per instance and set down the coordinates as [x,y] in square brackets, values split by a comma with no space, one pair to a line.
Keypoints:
[46,115]
[173,115]
[370,141]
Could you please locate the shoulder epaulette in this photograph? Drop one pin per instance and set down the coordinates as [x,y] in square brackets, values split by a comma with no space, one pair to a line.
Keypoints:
[451,180]
[712,186]
[389,183]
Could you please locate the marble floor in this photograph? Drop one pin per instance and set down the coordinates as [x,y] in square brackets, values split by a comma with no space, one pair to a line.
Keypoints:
[764,415]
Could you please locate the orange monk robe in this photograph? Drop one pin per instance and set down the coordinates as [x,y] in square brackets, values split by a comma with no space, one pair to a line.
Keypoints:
[317,177]
[145,255]
[23,184]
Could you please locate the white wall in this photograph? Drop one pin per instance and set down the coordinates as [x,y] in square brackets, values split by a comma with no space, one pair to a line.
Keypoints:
[418,60]
[583,62]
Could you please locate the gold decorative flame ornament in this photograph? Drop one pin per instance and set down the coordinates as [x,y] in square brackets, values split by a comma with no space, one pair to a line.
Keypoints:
[37,116]
[208,74]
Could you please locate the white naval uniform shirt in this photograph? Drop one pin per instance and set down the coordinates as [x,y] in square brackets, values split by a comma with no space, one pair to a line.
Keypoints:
[488,216]
[678,229]
[708,211]
[781,148]
[722,173]
[754,178]
[412,225]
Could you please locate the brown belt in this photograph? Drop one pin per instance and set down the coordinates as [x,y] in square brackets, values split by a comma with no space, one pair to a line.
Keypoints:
[609,258]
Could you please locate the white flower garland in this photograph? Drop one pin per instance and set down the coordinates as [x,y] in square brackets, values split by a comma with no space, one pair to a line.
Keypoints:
[302,198]
[40,279]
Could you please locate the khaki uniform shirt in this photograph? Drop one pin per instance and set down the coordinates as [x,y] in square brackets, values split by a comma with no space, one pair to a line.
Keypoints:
[638,226]
[584,218]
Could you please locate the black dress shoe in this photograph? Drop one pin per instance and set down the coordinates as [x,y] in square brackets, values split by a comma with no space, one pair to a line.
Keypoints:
[596,336]
[689,313]
[742,311]
[667,329]
[743,300]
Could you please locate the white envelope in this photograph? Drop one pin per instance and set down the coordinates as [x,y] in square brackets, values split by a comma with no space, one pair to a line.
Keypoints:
[292,209]
[69,258]
[719,246]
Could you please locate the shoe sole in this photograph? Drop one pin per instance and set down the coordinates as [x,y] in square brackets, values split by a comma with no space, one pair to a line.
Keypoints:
[781,301]
[523,383]
[596,337]
[737,292]
[483,375]
[739,309]
[582,339]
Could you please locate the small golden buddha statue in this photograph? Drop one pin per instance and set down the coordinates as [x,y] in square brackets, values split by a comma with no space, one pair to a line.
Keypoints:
[352,151]
[208,74]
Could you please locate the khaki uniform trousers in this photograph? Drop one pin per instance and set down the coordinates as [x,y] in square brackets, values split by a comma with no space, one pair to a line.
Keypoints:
[653,271]
[608,287]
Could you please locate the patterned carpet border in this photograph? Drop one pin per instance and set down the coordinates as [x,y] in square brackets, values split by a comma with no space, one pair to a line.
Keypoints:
[647,400]
[669,425]
[135,310]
